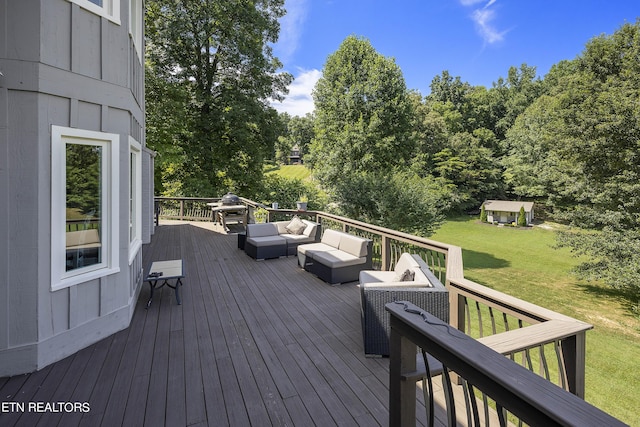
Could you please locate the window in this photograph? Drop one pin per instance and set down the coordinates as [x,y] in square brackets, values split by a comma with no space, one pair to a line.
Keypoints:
[135,198]
[110,9]
[136,23]
[84,205]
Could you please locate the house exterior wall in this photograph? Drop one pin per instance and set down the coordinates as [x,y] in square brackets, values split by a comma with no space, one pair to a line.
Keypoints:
[62,66]
[507,217]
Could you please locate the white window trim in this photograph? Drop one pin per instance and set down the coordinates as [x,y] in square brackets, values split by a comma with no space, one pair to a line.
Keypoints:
[135,243]
[136,25]
[60,136]
[110,9]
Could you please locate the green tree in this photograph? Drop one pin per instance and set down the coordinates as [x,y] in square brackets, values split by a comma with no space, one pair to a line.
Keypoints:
[483,214]
[518,91]
[363,114]
[298,132]
[429,133]
[580,143]
[522,218]
[446,88]
[472,170]
[402,200]
[285,192]
[602,113]
[220,52]
[166,120]
[532,166]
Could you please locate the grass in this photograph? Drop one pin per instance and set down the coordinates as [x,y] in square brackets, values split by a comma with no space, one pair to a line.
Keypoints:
[290,171]
[524,263]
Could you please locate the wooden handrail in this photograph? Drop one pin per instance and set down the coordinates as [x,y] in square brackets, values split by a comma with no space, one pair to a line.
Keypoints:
[528,396]
[517,340]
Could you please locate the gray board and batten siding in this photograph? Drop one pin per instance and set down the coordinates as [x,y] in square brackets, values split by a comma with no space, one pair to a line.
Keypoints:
[63,66]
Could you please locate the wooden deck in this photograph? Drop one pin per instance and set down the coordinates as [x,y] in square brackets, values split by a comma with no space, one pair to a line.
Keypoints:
[253,343]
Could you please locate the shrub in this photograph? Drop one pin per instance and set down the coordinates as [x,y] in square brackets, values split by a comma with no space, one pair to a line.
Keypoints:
[522,218]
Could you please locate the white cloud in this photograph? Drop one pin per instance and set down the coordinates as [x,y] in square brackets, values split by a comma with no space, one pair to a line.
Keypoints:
[483,19]
[299,101]
[488,32]
[291,28]
[474,2]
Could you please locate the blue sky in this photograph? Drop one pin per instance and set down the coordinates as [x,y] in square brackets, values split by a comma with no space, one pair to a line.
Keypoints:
[477,40]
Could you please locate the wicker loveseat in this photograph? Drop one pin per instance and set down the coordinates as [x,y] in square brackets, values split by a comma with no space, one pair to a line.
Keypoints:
[338,258]
[279,238]
[411,280]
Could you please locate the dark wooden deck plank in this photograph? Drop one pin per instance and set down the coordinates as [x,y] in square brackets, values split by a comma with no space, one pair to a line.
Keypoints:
[176,386]
[208,331]
[23,392]
[117,402]
[66,386]
[104,383]
[194,396]
[47,389]
[254,342]
[88,381]
[159,360]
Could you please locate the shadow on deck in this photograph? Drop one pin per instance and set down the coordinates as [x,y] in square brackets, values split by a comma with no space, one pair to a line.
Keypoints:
[253,343]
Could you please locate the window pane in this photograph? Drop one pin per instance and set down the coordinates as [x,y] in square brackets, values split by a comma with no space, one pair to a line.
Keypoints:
[84,205]
[98,2]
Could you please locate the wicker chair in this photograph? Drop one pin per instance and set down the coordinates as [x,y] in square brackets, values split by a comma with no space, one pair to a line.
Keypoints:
[378,288]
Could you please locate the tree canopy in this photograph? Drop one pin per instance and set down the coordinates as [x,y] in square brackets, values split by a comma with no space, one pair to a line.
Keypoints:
[578,148]
[363,114]
[363,140]
[217,58]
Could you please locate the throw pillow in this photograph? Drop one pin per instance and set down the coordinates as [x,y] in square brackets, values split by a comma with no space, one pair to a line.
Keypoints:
[296,226]
[407,276]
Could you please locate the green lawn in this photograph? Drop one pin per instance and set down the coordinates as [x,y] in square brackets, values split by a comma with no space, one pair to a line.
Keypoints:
[290,171]
[523,263]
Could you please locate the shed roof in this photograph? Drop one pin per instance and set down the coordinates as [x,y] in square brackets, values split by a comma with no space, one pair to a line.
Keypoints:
[507,205]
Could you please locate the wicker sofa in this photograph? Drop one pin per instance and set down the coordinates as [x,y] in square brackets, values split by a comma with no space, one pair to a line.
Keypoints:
[279,238]
[338,258]
[411,280]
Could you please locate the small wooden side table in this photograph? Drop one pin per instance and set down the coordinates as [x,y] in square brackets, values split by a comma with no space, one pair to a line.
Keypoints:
[165,271]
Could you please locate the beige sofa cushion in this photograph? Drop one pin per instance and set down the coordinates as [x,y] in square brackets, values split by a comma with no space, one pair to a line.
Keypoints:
[385,279]
[266,241]
[262,230]
[316,247]
[282,226]
[310,230]
[331,238]
[371,276]
[297,238]
[354,245]
[337,259]
[405,262]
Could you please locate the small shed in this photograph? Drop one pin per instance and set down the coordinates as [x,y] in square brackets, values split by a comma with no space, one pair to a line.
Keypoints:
[506,211]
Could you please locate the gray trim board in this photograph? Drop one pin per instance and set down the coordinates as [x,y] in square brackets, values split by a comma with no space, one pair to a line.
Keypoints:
[45,79]
[4,213]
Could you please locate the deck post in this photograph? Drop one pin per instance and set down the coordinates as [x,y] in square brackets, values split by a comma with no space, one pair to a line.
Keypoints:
[574,352]
[386,254]
[402,393]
